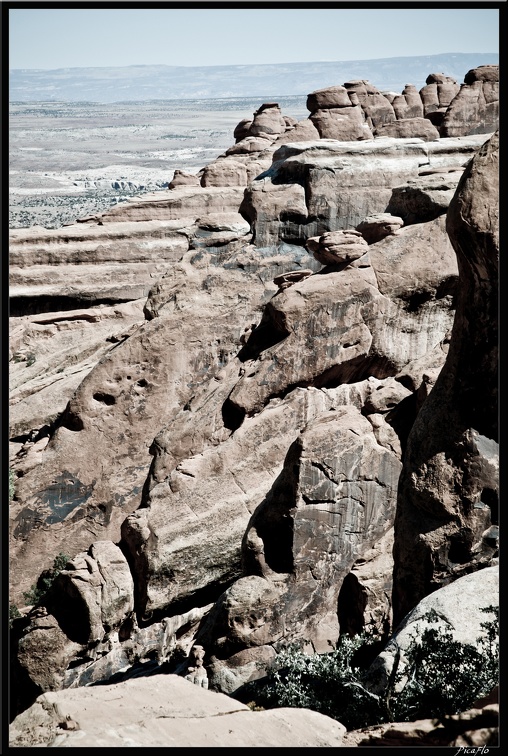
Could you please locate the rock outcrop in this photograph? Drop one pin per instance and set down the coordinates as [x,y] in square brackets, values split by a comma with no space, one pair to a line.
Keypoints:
[448,528]
[164,711]
[314,187]
[477,727]
[475,109]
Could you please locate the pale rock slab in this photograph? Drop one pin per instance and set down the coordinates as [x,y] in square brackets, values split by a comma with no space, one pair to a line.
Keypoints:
[164,711]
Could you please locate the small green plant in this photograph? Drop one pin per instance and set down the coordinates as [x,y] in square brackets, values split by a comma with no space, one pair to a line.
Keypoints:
[14,613]
[33,596]
[443,676]
[30,359]
[327,683]
[440,677]
[46,580]
[253,706]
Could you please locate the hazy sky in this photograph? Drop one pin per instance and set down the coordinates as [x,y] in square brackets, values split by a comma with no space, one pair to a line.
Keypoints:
[74,37]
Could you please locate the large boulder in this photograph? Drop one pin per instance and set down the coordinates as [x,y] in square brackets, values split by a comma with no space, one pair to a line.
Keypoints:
[408,104]
[275,211]
[375,227]
[436,96]
[426,197]
[338,247]
[182,178]
[376,107]
[331,97]
[235,170]
[345,124]
[408,127]
[302,131]
[268,120]
[164,711]
[94,594]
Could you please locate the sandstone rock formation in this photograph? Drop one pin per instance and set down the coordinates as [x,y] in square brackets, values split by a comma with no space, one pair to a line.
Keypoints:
[313,187]
[223,471]
[164,711]
[181,178]
[476,728]
[455,436]
[408,127]
[436,96]
[375,227]
[475,109]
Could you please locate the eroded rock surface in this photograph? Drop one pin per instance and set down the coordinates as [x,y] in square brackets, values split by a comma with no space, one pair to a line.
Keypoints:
[164,711]
[234,457]
[326,185]
[445,527]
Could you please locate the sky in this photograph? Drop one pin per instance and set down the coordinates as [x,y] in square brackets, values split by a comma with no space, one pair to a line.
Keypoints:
[51,38]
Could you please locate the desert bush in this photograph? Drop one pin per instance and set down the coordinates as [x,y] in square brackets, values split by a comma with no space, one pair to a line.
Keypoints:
[440,677]
[45,581]
[327,683]
[443,676]
[14,613]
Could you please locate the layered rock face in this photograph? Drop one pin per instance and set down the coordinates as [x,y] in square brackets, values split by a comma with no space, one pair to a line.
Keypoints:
[449,529]
[232,457]
[313,187]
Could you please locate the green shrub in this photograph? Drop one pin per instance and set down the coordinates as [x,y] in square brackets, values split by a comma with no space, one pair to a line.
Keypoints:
[441,676]
[33,596]
[14,613]
[46,580]
[327,683]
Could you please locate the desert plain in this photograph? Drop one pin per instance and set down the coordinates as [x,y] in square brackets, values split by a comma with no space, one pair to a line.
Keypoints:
[71,160]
